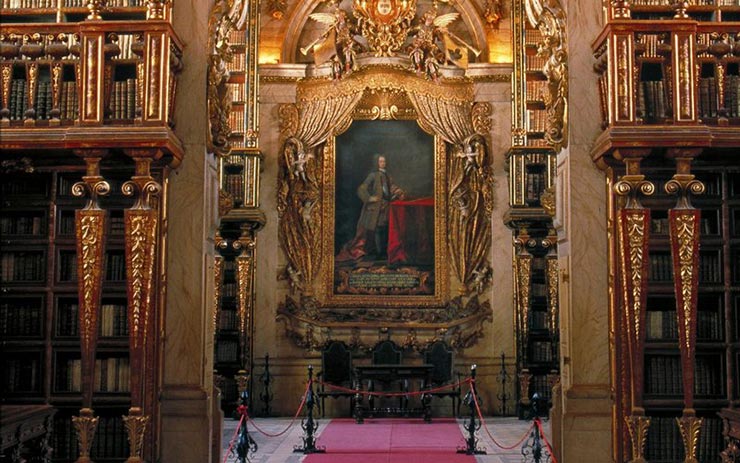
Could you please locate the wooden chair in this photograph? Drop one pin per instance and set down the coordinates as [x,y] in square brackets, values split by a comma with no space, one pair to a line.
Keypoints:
[388,353]
[440,356]
[336,368]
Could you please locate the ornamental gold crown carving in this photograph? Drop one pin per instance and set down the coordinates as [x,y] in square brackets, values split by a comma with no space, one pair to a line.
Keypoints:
[387,28]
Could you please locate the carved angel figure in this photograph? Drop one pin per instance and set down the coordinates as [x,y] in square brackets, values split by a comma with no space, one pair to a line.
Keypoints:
[337,43]
[296,159]
[294,278]
[481,278]
[434,44]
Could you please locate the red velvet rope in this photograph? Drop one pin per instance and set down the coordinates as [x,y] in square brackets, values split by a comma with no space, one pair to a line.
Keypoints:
[233,438]
[292,421]
[480,417]
[394,394]
[549,447]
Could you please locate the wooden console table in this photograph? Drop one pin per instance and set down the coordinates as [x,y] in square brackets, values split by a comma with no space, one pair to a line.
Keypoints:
[731,431]
[387,374]
[25,429]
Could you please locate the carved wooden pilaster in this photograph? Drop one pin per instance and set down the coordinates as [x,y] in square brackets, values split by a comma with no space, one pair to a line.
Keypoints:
[218,266]
[522,281]
[90,238]
[633,233]
[684,222]
[141,224]
[92,61]
[245,278]
[684,94]
[525,378]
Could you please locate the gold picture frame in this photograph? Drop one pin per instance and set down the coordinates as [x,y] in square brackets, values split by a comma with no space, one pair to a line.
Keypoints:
[327,295]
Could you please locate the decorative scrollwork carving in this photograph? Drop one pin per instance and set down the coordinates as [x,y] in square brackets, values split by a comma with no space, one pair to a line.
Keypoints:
[226,16]
[482,122]
[549,18]
[690,427]
[638,426]
[461,322]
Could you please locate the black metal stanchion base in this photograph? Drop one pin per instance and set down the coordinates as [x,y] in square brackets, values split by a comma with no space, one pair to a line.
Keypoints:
[309,424]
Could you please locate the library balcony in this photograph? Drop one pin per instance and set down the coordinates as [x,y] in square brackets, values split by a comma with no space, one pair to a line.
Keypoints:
[668,81]
[90,84]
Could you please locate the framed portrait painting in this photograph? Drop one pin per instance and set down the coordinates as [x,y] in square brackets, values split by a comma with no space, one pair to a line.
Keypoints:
[384,221]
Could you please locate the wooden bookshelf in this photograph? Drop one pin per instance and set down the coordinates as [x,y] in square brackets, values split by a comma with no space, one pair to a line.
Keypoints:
[39,308]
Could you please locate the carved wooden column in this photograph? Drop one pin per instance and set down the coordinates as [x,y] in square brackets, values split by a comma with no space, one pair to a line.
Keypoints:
[684,227]
[58,49]
[90,237]
[245,277]
[32,49]
[633,232]
[551,272]
[522,285]
[141,224]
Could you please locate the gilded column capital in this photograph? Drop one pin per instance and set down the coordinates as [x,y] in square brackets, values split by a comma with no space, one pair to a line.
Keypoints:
[633,184]
[684,183]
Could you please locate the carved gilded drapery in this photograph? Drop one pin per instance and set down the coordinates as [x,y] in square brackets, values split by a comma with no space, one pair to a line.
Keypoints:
[90,237]
[325,109]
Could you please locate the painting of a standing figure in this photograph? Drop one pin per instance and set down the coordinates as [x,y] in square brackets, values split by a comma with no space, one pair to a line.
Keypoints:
[384,211]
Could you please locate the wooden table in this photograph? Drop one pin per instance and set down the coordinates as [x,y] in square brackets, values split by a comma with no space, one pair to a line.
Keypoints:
[387,374]
[25,429]
[731,431]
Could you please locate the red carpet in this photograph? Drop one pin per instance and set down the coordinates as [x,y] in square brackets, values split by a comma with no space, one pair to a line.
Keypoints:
[391,441]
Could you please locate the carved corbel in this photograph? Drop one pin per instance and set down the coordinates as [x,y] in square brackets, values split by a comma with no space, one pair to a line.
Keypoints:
[141,224]
[90,238]
[684,222]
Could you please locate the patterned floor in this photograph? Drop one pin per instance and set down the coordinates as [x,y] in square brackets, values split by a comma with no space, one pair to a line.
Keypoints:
[507,431]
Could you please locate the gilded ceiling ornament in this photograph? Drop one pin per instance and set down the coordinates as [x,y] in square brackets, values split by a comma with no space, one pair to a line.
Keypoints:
[493,12]
[549,18]
[386,25]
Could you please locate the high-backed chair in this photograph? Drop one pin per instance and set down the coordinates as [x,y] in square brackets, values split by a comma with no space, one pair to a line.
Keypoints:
[336,369]
[440,356]
[388,353]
